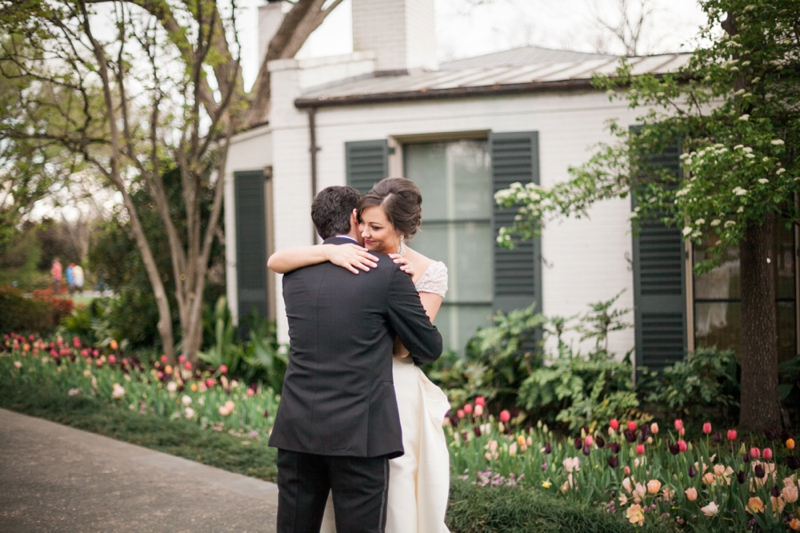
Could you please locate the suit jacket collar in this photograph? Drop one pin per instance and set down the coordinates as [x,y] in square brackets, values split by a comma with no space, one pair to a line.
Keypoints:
[339,240]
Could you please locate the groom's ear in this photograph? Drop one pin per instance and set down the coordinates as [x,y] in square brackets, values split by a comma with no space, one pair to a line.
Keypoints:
[354,219]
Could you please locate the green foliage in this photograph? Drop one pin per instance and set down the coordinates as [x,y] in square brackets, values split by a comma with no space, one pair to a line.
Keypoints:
[790,385]
[92,323]
[498,359]
[260,358]
[24,315]
[705,380]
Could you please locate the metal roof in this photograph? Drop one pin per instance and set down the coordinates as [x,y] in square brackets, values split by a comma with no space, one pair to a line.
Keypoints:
[518,57]
[496,79]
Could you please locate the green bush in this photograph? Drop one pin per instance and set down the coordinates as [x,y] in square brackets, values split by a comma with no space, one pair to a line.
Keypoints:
[706,380]
[260,358]
[24,315]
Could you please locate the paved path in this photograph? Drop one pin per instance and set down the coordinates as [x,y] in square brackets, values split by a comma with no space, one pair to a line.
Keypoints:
[56,478]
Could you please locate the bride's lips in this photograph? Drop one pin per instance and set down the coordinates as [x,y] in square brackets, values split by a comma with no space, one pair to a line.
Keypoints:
[368,243]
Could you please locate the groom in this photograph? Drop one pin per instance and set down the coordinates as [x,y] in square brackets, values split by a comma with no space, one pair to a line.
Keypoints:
[337,425]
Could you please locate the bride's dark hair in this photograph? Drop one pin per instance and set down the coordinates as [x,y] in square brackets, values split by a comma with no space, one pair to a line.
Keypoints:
[401,201]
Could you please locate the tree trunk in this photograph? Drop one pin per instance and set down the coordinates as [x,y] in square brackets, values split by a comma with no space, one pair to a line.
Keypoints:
[760,403]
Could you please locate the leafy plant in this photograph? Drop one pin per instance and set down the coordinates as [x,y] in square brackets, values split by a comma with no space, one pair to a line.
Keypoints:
[705,380]
[259,359]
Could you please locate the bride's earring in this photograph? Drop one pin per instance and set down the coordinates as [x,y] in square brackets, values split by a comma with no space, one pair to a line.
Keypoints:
[401,250]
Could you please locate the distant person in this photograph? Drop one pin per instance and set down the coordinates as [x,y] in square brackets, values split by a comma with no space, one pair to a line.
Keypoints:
[70,277]
[55,273]
[78,279]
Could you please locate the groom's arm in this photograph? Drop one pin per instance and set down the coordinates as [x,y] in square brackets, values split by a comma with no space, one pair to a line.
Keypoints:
[410,321]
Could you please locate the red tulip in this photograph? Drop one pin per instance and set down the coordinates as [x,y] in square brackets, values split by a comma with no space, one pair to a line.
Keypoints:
[707,428]
[164,358]
[505,416]
[640,449]
[632,425]
[480,400]
[731,434]
[682,445]
[678,424]
[614,423]
[767,454]
[468,408]
[187,365]
[755,453]
[223,369]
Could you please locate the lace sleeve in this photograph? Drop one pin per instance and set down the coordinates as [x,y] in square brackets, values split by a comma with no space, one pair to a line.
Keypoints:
[434,279]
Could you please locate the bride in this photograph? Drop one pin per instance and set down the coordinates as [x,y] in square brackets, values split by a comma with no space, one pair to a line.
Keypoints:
[419,480]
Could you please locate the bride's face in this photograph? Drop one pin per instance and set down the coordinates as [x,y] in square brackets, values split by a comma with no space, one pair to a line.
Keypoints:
[378,233]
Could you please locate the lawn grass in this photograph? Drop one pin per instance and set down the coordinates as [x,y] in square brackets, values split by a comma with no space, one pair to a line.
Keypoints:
[472,509]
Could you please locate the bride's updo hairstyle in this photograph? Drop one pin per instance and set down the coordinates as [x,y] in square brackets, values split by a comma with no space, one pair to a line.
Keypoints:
[401,201]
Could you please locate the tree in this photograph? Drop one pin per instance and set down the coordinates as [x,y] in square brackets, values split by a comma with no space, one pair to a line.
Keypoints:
[166,87]
[735,107]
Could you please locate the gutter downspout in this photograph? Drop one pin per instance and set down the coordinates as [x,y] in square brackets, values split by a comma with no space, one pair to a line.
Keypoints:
[313,149]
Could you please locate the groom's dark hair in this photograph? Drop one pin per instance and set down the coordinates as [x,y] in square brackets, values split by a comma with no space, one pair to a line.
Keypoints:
[331,210]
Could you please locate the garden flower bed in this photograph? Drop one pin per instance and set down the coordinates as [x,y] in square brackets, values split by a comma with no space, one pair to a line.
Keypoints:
[624,474]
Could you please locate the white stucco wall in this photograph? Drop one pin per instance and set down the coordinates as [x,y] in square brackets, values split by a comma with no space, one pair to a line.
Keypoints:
[585,260]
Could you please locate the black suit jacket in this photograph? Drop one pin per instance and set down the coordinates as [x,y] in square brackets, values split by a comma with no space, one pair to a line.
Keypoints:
[338,395]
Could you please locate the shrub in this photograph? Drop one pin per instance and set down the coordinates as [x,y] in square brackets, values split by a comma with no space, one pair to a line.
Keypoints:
[706,380]
[29,315]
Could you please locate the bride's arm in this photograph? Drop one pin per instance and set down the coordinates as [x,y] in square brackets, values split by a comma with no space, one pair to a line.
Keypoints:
[349,256]
[431,302]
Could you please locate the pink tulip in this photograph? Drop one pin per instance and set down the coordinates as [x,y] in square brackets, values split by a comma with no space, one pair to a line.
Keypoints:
[480,400]
[588,440]
[95,352]
[632,425]
[164,359]
[626,470]
[678,424]
[731,434]
[76,342]
[181,358]
[250,392]
[682,445]
[84,353]
[468,408]
[187,365]
[755,453]
[99,362]
[460,413]
[223,369]
[210,382]
[640,449]
[767,454]
[707,428]
[614,423]
[112,359]
[478,409]
[505,416]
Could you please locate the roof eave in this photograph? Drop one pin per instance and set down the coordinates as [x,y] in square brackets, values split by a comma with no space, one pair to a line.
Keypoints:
[441,94]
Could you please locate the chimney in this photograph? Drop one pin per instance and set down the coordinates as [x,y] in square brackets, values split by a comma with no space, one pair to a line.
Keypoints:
[270,17]
[400,32]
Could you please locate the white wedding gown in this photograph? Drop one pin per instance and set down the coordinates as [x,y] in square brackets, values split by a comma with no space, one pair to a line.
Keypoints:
[419,480]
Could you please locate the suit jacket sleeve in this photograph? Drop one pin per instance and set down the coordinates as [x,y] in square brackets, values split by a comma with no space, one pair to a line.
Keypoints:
[408,319]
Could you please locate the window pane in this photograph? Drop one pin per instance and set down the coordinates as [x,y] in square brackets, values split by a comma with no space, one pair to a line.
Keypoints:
[458,323]
[719,324]
[722,282]
[784,259]
[466,249]
[454,178]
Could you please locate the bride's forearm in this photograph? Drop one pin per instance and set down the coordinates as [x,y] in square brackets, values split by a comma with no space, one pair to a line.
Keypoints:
[299,257]
[431,303]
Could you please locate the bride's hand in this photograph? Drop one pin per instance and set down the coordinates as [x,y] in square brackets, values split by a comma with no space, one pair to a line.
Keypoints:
[352,257]
[405,265]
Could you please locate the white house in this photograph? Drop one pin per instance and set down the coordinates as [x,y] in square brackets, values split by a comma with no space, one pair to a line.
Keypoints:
[463,130]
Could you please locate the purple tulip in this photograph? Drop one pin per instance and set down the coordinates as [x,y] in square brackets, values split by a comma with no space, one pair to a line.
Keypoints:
[266,413]
[786,434]
[578,443]
[645,429]
[792,461]
[544,467]
[674,449]
[630,436]
[692,471]
[746,457]
[771,435]
[775,491]
[760,473]
[717,436]
[586,450]
[548,448]
[477,431]
[741,477]
[615,447]
[613,461]
[601,442]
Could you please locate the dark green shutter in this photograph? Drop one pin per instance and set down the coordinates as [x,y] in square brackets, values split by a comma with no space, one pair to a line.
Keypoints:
[517,274]
[659,280]
[367,163]
[251,242]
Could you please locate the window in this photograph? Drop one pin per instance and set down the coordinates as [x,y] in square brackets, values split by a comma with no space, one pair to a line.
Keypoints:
[717,300]
[455,180]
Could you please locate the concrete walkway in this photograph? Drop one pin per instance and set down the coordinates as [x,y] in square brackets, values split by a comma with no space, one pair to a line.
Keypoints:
[56,478]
